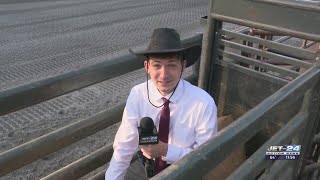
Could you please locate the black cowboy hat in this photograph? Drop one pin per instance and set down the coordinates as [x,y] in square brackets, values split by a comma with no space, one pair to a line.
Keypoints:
[167,40]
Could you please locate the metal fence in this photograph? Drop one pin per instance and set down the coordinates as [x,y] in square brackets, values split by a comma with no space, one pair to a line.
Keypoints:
[217,51]
[36,92]
[286,20]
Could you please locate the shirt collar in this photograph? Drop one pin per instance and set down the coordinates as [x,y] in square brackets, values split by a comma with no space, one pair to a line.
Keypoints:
[156,96]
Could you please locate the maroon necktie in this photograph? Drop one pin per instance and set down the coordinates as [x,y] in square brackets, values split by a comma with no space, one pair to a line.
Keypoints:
[163,133]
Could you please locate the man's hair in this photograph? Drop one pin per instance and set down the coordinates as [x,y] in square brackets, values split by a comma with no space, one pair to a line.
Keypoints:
[178,55]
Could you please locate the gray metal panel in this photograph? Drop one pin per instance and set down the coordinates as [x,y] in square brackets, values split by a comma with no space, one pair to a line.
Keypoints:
[237,89]
[280,58]
[293,19]
[299,52]
[256,163]
[269,67]
[212,152]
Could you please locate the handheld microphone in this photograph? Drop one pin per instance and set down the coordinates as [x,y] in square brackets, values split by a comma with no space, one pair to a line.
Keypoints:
[147,132]
[147,135]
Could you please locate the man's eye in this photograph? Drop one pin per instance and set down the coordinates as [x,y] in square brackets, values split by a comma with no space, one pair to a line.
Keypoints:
[156,65]
[172,65]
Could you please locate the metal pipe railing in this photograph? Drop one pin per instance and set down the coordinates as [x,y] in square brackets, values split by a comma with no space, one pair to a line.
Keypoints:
[292,51]
[254,73]
[256,162]
[262,64]
[28,152]
[85,165]
[211,153]
[36,92]
[280,58]
[303,5]
[270,28]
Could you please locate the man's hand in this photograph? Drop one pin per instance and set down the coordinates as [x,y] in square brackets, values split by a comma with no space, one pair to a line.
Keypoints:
[154,150]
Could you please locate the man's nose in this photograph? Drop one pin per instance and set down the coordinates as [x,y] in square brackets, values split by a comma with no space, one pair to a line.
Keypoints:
[163,72]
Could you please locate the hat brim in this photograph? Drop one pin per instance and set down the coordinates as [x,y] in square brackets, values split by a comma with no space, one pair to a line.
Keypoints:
[192,53]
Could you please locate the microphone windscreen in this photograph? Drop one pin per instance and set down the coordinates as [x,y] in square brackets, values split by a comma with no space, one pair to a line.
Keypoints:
[146,125]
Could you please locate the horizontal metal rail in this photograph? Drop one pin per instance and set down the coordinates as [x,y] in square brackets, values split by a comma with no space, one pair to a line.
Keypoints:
[99,176]
[282,39]
[36,92]
[267,27]
[85,165]
[297,52]
[211,153]
[305,5]
[279,169]
[276,51]
[278,69]
[269,55]
[254,73]
[28,152]
[256,162]
[304,23]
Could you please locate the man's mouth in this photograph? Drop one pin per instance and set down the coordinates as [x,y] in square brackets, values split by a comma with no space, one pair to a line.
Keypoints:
[164,82]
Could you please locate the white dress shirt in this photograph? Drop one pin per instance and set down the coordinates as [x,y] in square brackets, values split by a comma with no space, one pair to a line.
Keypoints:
[193,120]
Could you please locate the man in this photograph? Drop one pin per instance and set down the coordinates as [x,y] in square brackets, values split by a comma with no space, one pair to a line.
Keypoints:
[184,115]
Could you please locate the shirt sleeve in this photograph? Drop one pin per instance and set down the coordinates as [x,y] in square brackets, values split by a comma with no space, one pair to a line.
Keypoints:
[126,141]
[206,127]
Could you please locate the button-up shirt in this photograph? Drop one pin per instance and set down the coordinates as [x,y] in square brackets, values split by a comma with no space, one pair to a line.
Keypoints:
[193,120]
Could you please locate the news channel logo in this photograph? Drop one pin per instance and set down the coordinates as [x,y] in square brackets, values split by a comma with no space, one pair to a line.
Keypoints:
[285,152]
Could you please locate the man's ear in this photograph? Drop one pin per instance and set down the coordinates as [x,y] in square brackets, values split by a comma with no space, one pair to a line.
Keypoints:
[184,65]
[146,66]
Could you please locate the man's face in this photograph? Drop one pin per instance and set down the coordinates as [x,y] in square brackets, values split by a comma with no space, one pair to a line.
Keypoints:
[164,72]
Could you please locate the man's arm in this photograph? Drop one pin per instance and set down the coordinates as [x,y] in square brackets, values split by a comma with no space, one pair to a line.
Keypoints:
[207,126]
[126,141]
[205,129]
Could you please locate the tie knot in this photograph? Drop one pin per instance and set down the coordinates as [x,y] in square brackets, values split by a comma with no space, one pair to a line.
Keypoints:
[165,101]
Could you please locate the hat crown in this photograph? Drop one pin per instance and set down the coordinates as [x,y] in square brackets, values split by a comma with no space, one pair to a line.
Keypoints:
[165,39]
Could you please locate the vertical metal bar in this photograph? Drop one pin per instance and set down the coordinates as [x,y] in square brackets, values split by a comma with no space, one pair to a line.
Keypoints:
[207,43]
[195,68]
[214,56]
[311,105]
